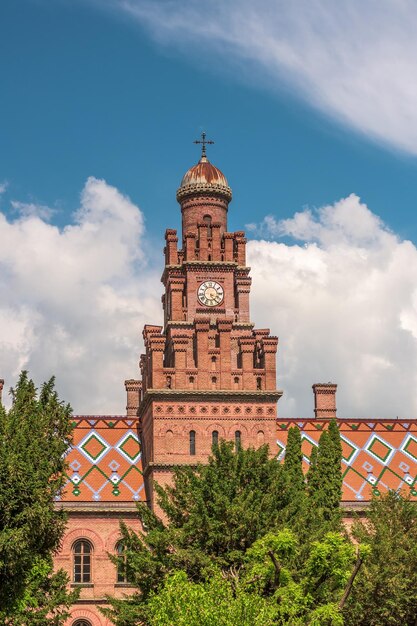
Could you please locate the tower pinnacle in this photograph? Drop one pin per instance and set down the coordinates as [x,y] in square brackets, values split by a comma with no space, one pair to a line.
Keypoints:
[204,142]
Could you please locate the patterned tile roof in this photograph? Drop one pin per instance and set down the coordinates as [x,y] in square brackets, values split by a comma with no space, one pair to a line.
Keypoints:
[377,454]
[104,463]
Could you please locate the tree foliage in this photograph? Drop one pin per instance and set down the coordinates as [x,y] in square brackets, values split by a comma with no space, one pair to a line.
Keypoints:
[34,436]
[227,535]
[212,602]
[386,593]
[325,476]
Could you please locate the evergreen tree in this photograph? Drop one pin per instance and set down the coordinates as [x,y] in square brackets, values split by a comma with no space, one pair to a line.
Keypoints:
[34,436]
[214,514]
[295,483]
[312,472]
[386,593]
[293,462]
[217,516]
[325,481]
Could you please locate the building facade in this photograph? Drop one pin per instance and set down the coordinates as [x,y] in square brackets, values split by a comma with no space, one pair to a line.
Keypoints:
[207,373]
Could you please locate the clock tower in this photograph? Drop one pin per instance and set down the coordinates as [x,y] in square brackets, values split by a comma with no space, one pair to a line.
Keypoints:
[208,373]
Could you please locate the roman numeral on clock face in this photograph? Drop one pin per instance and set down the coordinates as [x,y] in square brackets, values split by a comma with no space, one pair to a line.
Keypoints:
[210,293]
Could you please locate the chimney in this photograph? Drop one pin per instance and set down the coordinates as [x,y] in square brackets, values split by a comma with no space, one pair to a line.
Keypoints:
[325,400]
[133,389]
[1,387]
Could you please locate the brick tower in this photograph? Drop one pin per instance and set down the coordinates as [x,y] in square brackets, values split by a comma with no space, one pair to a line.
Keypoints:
[207,373]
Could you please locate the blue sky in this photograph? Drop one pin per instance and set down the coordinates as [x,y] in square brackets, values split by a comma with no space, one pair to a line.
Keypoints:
[89,92]
[308,103]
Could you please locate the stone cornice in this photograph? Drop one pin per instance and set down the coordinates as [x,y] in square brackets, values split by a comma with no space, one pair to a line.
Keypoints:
[205,189]
[198,265]
[166,467]
[93,508]
[202,395]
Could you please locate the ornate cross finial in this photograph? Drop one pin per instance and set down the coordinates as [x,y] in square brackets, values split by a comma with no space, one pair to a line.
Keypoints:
[204,142]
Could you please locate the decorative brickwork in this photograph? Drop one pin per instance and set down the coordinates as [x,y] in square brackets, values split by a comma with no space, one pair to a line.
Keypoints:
[325,400]
[207,370]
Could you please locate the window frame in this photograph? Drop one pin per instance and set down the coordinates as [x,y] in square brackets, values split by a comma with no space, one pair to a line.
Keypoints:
[192,443]
[121,575]
[85,558]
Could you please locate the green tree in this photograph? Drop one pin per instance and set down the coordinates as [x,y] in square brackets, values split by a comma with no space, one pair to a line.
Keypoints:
[311,476]
[34,436]
[325,478]
[212,602]
[215,516]
[267,589]
[313,592]
[386,593]
[295,482]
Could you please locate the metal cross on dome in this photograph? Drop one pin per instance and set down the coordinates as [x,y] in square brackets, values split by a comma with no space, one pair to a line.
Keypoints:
[204,142]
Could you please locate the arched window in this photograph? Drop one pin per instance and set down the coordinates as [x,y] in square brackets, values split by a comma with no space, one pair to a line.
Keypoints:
[214,382]
[207,220]
[259,383]
[236,382]
[82,551]
[192,442]
[169,438]
[168,382]
[122,564]
[238,439]
[213,363]
[215,438]
[191,381]
[81,622]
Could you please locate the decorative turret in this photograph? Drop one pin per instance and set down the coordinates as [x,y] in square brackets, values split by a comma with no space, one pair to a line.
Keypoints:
[204,194]
[207,373]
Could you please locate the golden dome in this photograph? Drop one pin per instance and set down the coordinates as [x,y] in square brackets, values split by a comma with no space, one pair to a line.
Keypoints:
[204,178]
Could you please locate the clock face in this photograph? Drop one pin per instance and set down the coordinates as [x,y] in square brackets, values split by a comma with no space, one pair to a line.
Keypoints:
[210,293]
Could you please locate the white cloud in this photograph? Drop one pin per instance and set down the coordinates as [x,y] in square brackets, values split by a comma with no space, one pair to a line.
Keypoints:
[354,60]
[31,209]
[342,298]
[344,303]
[73,301]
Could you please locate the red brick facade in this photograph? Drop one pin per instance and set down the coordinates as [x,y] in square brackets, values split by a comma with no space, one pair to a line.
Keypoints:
[208,372]
[99,526]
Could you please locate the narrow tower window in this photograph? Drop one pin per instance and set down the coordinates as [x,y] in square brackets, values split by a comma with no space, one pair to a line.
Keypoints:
[122,565]
[236,381]
[238,440]
[214,382]
[215,438]
[259,383]
[191,381]
[213,363]
[207,220]
[192,442]
[82,561]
